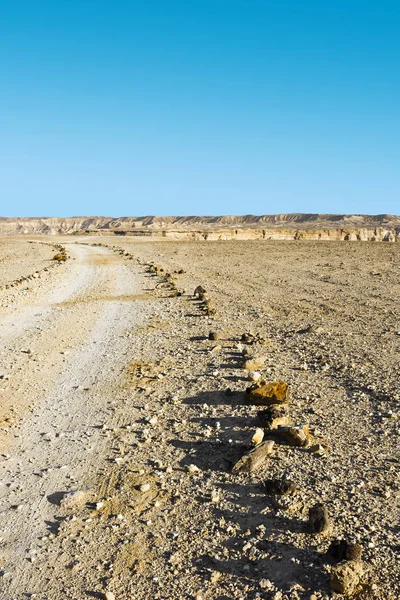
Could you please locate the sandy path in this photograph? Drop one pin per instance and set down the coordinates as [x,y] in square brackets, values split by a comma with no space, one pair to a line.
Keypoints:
[19,320]
[60,442]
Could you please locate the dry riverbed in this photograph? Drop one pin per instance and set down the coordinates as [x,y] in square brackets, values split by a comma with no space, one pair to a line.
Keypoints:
[122,420]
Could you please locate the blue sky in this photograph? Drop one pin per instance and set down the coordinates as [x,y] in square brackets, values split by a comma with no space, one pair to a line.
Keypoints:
[199,107]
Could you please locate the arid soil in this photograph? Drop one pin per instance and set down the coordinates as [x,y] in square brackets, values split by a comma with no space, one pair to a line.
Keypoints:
[19,258]
[121,421]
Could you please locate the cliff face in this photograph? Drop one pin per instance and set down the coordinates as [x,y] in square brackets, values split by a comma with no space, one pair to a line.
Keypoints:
[362,234]
[50,225]
[283,226]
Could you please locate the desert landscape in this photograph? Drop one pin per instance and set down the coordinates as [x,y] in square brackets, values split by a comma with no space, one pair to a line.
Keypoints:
[185,415]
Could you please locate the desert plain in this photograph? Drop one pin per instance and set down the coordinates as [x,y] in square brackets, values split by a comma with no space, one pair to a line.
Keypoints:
[124,413]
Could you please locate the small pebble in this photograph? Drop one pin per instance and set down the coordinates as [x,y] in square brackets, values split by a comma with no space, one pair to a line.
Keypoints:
[254,376]
[265,584]
[193,469]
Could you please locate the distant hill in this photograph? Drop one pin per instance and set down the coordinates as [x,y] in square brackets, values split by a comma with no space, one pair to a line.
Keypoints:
[379,227]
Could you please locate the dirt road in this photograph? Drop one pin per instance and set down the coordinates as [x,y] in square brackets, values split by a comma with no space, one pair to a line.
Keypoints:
[60,356]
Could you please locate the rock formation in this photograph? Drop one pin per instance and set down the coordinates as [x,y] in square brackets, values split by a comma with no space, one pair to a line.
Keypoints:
[275,227]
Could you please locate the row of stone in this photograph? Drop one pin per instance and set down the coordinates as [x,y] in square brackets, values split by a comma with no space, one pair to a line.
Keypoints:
[36,275]
[273,396]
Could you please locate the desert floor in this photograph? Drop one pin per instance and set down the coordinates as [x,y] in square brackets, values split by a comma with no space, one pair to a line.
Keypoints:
[121,420]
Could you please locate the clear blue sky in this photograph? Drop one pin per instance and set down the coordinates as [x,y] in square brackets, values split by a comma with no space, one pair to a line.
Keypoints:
[199,107]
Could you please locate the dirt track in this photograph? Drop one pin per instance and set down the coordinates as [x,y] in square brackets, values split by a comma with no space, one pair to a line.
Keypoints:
[60,355]
[113,385]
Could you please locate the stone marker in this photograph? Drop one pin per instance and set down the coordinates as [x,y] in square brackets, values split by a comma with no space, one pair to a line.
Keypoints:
[343,550]
[279,487]
[199,291]
[295,436]
[318,519]
[253,459]
[267,393]
[254,376]
[72,500]
[273,417]
[255,438]
[253,364]
[346,576]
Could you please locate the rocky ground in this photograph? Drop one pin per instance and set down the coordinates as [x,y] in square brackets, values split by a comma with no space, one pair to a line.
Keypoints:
[123,422]
[21,258]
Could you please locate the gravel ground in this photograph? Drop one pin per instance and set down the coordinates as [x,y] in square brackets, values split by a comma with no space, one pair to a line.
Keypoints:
[21,258]
[159,418]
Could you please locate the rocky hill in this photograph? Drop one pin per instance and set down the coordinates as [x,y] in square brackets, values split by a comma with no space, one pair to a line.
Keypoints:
[282,226]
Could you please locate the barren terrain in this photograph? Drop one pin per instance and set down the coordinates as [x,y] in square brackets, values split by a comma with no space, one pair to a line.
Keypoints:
[18,258]
[121,421]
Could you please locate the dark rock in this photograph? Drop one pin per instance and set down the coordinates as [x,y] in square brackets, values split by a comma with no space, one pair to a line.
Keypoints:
[272,417]
[318,519]
[199,291]
[279,487]
[341,550]
[213,335]
[248,337]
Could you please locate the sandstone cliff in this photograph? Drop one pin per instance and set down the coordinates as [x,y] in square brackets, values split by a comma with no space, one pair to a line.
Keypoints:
[281,226]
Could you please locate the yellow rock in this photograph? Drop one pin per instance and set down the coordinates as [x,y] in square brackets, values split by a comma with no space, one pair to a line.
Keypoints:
[268,393]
